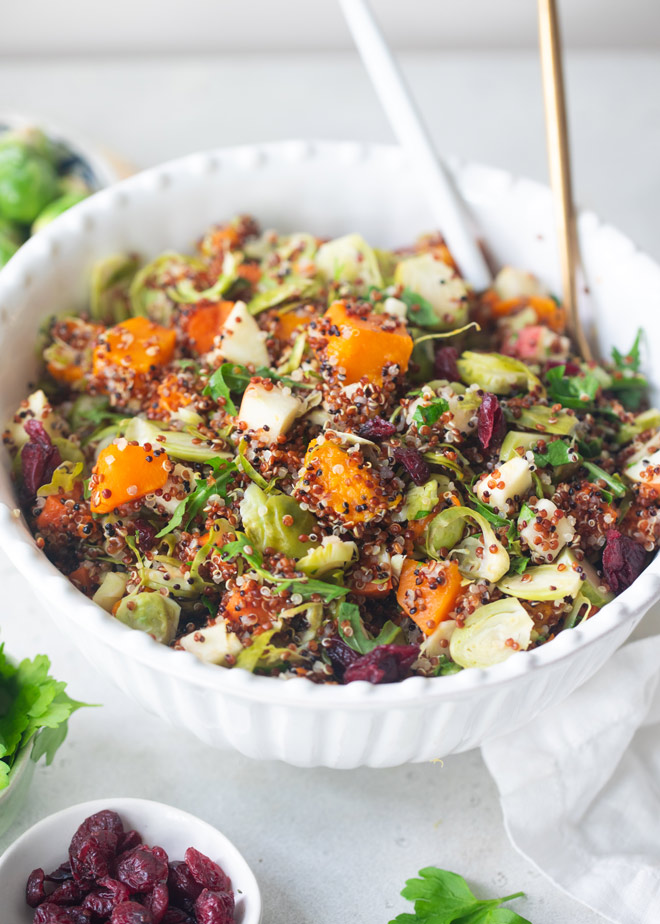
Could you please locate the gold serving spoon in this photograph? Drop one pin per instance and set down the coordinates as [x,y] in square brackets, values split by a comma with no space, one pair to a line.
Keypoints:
[560,166]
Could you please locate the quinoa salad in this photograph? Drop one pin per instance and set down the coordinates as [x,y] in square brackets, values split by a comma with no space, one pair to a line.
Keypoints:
[314,458]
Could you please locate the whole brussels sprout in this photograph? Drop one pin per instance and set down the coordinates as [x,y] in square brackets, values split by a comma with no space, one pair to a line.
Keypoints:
[10,240]
[152,613]
[265,517]
[28,182]
[55,208]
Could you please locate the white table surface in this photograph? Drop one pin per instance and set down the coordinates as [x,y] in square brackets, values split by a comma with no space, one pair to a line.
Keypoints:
[328,847]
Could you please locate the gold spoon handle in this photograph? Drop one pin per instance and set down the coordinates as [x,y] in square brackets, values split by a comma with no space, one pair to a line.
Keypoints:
[560,165]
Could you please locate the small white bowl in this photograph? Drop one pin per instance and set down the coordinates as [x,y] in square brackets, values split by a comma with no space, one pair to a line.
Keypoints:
[46,845]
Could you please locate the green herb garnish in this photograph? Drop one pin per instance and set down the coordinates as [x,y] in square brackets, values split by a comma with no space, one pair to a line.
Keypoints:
[443,897]
[556,453]
[191,506]
[427,414]
[358,638]
[575,391]
[306,587]
[32,703]
[232,377]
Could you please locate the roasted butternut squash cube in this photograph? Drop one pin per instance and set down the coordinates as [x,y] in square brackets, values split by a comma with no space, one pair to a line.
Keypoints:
[364,345]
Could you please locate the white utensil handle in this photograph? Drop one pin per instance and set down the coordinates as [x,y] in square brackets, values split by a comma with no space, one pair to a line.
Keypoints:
[446,203]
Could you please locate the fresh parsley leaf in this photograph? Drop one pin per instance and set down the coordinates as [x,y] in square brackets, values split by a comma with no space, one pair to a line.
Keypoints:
[575,391]
[519,564]
[419,311]
[556,453]
[486,511]
[590,449]
[94,412]
[632,359]
[191,506]
[446,666]
[630,389]
[227,378]
[187,364]
[306,587]
[616,486]
[443,897]
[32,706]
[309,587]
[232,377]
[427,414]
[357,637]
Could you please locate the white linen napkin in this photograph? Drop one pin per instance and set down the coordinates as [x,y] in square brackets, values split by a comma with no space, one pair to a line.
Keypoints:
[580,788]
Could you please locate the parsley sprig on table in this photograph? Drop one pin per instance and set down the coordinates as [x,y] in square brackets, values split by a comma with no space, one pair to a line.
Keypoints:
[32,704]
[443,897]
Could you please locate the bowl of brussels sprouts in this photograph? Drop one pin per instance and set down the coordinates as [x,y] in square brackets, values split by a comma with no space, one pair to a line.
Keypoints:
[43,172]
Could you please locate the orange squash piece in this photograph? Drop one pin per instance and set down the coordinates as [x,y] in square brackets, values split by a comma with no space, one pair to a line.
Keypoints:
[55,514]
[428,592]
[363,345]
[547,310]
[204,324]
[290,322]
[251,272]
[349,488]
[73,338]
[137,345]
[246,601]
[125,472]
[82,579]
[171,397]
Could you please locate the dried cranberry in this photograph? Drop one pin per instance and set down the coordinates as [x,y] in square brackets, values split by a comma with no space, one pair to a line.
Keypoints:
[146,535]
[444,364]
[68,893]
[142,868]
[128,841]
[377,429]
[131,913]
[101,821]
[35,893]
[158,902]
[60,874]
[94,856]
[184,889]
[108,894]
[491,425]
[39,458]
[176,916]
[623,560]
[569,367]
[213,907]
[55,914]
[414,463]
[340,655]
[207,873]
[385,664]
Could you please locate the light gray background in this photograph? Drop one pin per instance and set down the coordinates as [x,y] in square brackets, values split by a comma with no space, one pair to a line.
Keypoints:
[38,26]
[327,847]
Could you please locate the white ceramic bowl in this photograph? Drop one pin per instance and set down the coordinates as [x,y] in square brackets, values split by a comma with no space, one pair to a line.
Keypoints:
[46,845]
[327,188]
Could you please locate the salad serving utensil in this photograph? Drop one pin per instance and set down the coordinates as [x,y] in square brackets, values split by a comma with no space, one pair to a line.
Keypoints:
[559,161]
[447,205]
